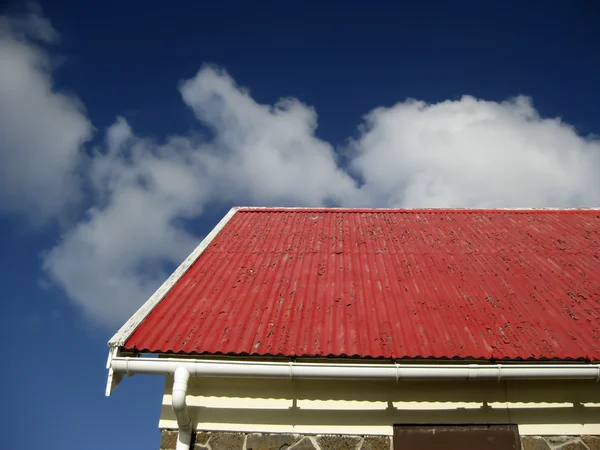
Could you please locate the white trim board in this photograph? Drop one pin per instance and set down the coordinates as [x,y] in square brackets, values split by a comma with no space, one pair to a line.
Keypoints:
[121,336]
[358,208]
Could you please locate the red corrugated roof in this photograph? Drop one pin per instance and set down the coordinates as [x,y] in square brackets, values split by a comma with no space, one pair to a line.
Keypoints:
[493,284]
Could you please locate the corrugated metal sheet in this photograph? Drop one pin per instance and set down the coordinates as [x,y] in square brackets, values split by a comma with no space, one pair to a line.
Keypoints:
[491,284]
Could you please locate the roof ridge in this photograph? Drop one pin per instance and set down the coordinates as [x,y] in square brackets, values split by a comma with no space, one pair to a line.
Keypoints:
[410,210]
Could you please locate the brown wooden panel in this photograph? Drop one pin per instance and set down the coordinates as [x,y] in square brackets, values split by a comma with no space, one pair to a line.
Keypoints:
[456,437]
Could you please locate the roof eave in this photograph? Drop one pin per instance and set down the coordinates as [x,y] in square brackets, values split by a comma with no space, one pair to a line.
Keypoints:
[120,337]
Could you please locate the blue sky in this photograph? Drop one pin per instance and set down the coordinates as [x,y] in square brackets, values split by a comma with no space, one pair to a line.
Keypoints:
[128,130]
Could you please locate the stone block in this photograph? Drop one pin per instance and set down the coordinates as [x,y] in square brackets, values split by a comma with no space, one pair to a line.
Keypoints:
[559,440]
[303,444]
[573,445]
[534,443]
[200,446]
[376,443]
[226,441]
[201,438]
[260,441]
[593,442]
[338,442]
[168,440]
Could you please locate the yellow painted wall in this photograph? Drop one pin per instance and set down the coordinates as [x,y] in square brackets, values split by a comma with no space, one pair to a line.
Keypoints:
[372,407]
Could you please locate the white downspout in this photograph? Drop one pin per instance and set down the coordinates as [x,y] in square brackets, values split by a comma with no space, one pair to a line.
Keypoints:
[180,384]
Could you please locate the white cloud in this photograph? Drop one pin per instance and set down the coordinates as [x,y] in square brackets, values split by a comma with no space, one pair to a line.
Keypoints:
[112,260]
[41,130]
[460,153]
[263,153]
[473,153]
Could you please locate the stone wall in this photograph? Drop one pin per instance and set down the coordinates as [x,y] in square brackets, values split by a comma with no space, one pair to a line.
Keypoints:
[560,442]
[265,441]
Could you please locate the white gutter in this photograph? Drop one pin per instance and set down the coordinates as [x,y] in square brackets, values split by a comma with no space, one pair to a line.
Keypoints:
[384,371]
